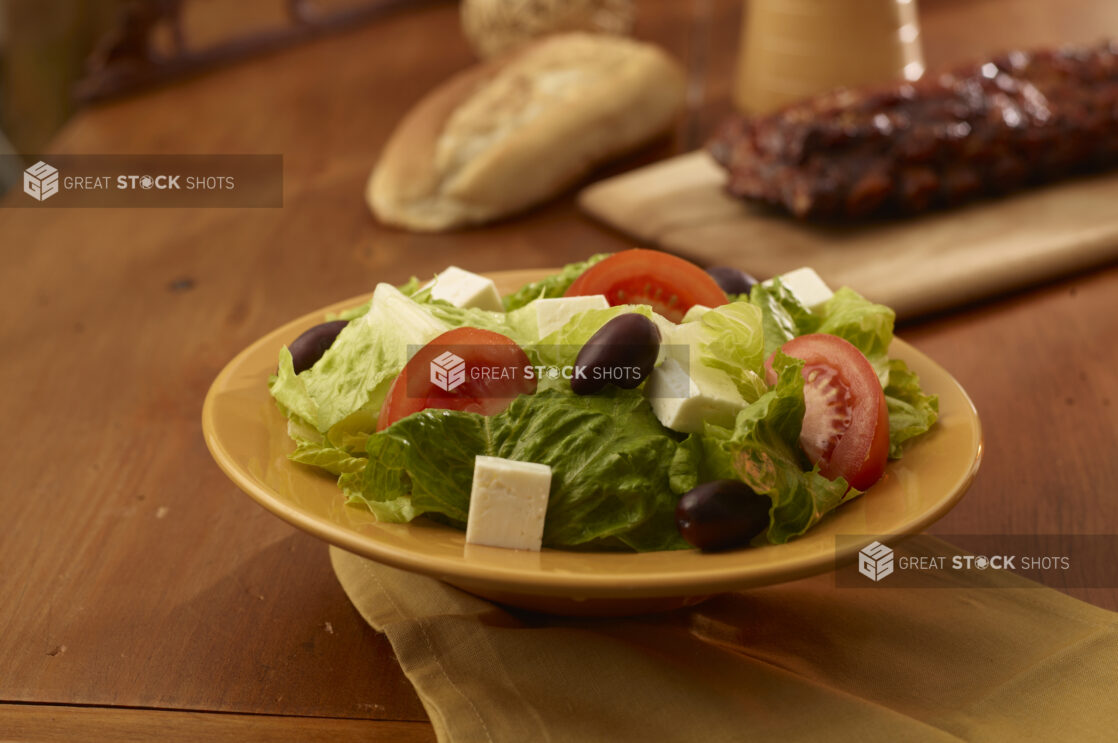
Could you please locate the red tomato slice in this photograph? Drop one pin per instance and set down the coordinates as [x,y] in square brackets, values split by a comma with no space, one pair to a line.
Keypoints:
[670,284]
[463,369]
[846,419]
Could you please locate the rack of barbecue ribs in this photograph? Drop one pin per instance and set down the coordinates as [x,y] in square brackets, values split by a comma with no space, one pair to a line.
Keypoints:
[1020,119]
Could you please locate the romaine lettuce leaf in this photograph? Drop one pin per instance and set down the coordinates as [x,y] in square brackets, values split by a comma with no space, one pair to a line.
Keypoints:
[352,432]
[516,325]
[560,348]
[357,370]
[763,451]
[783,317]
[866,325]
[327,457]
[340,397]
[730,338]
[869,327]
[617,473]
[410,288]
[351,313]
[316,450]
[290,392]
[847,314]
[552,286]
[911,411]
[610,461]
[342,393]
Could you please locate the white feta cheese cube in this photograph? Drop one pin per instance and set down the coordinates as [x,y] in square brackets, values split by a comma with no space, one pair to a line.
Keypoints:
[465,289]
[806,286]
[552,314]
[683,401]
[508,503]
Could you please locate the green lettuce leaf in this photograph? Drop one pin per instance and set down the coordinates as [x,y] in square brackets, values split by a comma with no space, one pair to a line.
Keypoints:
[315,450]
[290,392]
[516,325]
[869,327]
[847,314]
[610,461]
[552,286]
[560,347]
[617,472]
[349,314]
[410,288]
[343,392]
[352,432]
[730,338]
[911,411]
[783,316]
[327,457]
[357,370]
[423,463]
[763,451]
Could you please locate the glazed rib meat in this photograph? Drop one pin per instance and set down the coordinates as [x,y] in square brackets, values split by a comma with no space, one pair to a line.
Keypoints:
[1019,119]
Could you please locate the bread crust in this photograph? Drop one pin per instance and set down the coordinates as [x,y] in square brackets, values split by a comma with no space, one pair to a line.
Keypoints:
[505,135]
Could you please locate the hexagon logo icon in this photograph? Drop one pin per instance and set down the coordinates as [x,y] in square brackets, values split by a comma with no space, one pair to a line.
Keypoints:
[875,561]
[448,371]
[40,181]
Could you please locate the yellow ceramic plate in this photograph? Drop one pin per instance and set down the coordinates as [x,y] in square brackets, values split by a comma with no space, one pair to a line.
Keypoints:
[247,436]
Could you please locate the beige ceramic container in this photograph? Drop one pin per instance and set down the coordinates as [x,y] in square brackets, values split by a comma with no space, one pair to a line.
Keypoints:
[793,49]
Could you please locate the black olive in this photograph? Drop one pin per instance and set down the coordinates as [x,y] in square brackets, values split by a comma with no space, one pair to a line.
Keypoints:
[308,348]
[732,280]
[622,352]
[721,514]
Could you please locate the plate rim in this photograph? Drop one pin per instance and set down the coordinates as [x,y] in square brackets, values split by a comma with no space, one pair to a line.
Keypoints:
[490,576]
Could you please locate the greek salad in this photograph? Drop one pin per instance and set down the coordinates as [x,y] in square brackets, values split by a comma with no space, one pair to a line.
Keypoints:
[631,401]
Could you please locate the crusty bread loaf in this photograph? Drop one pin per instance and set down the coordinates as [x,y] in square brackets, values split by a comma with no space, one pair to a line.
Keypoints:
[510,133]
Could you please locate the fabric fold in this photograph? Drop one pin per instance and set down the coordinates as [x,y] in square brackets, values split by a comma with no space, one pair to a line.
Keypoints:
[988,659]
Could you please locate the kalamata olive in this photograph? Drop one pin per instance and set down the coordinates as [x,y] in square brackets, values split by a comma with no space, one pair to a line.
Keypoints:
[309,347]
[732,280]
[622,352]
[721,514]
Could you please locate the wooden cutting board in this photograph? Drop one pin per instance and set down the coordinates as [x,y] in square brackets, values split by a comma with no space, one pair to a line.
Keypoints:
[915,265]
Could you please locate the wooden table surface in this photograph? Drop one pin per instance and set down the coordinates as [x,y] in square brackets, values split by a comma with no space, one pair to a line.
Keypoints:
[142,596]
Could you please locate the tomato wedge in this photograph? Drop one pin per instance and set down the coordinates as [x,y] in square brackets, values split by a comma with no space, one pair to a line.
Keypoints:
[463,369]
[669,284]
[846,419]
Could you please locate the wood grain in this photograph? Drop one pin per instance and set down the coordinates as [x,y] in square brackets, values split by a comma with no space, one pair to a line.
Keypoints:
[1042,369]
[31,723]
[133,574]
[915,265]
[138,575]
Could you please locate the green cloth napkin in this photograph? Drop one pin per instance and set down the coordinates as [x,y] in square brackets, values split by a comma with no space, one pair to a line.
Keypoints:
[988,658]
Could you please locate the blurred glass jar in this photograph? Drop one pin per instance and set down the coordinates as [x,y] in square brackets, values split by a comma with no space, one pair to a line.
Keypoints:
[794,49]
